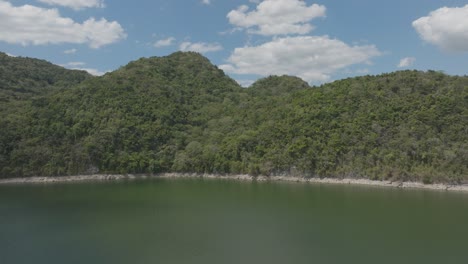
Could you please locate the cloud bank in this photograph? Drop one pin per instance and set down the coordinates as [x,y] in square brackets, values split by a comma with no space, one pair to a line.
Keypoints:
[277,17]
[291,49]
[31,25]
[313,58]
[446,28]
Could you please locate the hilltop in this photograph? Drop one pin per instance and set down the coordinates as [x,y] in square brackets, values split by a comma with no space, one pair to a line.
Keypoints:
[180,113]
[23,77]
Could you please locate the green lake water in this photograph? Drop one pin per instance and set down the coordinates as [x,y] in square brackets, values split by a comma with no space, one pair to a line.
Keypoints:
[219,221]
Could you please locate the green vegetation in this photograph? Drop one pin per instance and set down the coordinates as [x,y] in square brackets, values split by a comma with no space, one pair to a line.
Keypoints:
[24,77]
[182,114]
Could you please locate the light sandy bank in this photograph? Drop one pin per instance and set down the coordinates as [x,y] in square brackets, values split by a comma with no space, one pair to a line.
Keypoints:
[114,177]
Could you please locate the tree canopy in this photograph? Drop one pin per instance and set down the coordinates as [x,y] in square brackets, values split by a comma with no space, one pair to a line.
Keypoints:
[180,113]
[24,77]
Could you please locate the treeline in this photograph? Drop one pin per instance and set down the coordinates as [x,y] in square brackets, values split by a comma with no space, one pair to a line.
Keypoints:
[182,114]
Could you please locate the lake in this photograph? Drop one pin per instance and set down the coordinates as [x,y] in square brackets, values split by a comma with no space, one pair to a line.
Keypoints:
[223,221]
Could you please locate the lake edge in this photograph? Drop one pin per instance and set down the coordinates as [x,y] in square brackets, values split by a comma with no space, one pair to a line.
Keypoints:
[345,181]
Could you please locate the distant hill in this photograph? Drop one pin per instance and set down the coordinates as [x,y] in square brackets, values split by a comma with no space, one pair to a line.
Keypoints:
[180,113]
[23,77]
[277,85]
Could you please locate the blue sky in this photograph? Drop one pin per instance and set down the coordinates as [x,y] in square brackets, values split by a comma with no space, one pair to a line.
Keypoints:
[319,41]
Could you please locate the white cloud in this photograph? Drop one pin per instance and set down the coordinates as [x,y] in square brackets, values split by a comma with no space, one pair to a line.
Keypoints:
[206,2]
[277,17]
[28,24]
[164,42]
[406,62]
[446,28]
[75,4]
[70,51]
[313,58]
[200,47]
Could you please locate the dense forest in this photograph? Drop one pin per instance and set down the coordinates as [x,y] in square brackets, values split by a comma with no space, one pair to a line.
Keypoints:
[180,113]
[22,78]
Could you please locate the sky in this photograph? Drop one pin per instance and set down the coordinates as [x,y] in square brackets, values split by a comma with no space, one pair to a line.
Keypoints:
[319,41]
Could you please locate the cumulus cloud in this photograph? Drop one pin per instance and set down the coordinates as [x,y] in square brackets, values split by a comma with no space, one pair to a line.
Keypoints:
[75,4]
[277,17]
[206,2]
[28,25]
[406,62]
[200,47]
[164,42]
[446,28]
[313,58]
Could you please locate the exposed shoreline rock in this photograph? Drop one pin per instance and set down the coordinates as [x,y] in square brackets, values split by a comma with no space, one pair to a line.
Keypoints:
[117,177]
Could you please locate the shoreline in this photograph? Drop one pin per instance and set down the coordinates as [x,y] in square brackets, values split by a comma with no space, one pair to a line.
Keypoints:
[346,181]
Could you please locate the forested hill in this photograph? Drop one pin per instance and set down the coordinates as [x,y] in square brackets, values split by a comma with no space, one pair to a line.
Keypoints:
[23,77]
[180,113]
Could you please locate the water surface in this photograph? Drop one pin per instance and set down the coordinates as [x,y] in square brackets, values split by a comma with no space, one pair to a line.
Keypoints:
[219,221]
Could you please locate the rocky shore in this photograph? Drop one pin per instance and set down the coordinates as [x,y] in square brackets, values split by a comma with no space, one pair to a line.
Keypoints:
[116,177]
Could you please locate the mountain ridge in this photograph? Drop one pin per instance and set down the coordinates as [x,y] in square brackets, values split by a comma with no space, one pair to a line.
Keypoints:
[180,113]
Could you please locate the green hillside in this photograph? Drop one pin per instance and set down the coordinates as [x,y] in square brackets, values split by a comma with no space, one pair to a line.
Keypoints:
[23,77]
[180,113]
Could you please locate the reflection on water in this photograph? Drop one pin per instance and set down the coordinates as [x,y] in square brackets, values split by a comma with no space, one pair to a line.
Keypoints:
[218,221]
